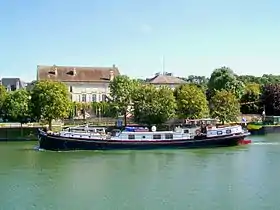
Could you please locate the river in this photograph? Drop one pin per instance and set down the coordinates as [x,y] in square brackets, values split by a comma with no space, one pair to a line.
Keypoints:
[237,178]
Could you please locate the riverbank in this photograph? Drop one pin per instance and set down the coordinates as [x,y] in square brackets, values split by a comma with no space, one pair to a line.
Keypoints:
[18,133]
[28,132]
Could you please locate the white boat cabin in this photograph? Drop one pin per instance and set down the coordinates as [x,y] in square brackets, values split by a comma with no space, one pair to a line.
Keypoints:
[143,134]
[222,131]
[83,132]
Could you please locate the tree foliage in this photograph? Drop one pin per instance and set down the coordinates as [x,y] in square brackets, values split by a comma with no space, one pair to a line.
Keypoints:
[152,105]
[16,106]
[191,102]
[251,99]
[107,109]
[3,95]
[225,106]
[200,81]
[224,79]
[122,89]
[50,101]
[271,99]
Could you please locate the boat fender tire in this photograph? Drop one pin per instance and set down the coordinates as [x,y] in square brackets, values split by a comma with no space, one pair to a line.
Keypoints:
[197,132]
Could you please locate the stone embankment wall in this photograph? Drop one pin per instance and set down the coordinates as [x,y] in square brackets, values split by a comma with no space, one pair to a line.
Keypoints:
[18,133]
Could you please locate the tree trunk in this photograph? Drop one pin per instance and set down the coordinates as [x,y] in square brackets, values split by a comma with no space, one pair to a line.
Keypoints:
[125,120]
[50,125]
[21,130]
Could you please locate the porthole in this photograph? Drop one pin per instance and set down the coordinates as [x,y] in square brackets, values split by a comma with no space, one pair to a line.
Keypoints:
[219,132]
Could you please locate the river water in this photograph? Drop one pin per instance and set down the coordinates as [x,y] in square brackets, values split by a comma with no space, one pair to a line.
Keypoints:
[237,178]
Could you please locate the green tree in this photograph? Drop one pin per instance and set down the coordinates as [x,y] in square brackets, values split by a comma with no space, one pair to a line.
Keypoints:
[50,101]
[271,99]
[225,106]
[249,79]
[107,109]
[3,95]
[250,101]
[152,105]
[224,79]
[122,89]
[191,102]
[16,106]
[200,81]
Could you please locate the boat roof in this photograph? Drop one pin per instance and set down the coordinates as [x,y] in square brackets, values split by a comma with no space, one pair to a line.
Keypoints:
[83,126]
[146,132]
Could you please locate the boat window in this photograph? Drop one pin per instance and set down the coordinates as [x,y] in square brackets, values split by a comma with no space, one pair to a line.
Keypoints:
[186,131]
[156,136]
[228,131]
[143,137]
[219,132]
[169,136]
[131,136]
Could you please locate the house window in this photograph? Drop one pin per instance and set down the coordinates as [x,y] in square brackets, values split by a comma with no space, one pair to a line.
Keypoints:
[131,136]
[103,97]
[84,98]
[93,98]
[169,136]
[13,88]
[157,136]
[70,89]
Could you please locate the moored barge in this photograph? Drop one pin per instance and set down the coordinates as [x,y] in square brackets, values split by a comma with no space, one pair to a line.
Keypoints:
[143,138]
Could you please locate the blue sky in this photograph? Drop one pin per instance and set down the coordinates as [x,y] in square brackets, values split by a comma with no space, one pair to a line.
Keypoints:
[194,37]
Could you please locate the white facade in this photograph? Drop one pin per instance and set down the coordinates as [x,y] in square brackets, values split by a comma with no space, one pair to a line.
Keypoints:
[88,92]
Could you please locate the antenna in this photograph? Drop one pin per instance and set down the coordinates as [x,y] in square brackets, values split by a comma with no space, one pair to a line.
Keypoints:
[163,65]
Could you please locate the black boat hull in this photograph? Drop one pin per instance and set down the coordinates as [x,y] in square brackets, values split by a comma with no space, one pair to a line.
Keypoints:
[57,143]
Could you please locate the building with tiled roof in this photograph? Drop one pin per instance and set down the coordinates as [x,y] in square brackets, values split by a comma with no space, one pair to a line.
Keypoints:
[13,84]
[165,79]
[86,84]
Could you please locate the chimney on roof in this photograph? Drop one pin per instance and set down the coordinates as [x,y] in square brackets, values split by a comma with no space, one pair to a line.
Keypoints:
[74,72]
[114,66]
[17,85]
[111,75]
[54,70]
